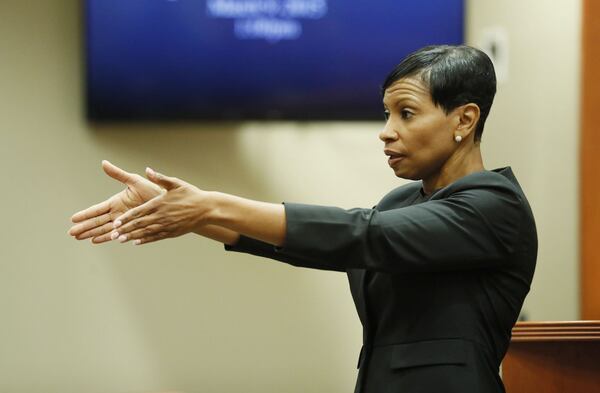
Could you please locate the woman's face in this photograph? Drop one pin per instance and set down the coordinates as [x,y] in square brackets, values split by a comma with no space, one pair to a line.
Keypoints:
[418,135]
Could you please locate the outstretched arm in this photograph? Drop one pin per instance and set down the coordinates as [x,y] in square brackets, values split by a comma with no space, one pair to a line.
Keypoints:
[477,226]
[179,214]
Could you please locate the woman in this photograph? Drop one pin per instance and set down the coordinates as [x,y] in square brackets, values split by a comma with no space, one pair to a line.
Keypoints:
[438,269]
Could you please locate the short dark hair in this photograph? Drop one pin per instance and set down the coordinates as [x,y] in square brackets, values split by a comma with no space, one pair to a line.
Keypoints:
[455,75]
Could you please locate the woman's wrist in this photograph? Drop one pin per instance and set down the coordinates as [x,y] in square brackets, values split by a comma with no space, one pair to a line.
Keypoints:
[205,209]
[211,209]
[208,217]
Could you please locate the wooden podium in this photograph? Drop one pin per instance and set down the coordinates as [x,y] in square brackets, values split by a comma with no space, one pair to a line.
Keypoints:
[553,357]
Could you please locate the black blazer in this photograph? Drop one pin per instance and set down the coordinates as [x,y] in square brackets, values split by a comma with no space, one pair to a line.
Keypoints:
[438,280]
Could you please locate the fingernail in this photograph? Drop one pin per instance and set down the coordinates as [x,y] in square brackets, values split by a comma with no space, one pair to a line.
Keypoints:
[122,238]
[117,223]
[150,171]
[137,242]
[114,235]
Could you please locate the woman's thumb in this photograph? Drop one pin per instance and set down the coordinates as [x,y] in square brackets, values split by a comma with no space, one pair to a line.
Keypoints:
[165,182]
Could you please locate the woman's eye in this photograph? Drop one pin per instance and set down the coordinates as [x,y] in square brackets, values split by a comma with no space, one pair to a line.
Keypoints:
[406,114]
[386,114]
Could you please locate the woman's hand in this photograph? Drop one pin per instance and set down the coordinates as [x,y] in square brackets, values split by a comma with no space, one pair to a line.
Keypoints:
[96,222]
[180,210]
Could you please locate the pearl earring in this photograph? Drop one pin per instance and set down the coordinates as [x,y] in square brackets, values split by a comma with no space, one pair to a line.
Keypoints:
[458,139]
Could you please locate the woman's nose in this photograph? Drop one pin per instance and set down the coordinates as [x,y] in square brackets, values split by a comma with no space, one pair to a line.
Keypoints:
[388,134]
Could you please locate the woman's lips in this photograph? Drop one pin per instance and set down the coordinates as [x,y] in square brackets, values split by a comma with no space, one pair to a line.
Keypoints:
[394,157]
[393,160]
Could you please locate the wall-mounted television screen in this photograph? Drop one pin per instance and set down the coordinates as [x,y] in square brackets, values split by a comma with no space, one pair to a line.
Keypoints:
[253,59]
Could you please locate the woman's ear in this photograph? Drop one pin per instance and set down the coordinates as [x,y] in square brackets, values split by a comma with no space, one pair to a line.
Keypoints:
[468,116]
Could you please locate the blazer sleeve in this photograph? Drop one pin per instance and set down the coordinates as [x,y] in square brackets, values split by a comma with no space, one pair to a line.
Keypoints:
[256,247]
[471,229]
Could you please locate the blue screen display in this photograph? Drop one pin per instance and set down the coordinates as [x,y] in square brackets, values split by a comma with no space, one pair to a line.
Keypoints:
[253,59]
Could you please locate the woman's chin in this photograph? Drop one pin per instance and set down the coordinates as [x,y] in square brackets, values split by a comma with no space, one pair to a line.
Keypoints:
[403,174]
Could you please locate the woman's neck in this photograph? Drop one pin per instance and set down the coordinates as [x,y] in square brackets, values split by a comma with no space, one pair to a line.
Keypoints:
[462,163]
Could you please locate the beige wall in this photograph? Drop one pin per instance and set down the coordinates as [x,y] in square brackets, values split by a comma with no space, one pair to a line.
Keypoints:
[182,314]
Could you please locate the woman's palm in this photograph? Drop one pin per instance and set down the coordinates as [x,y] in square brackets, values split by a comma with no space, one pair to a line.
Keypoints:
[140,191]
[96,222]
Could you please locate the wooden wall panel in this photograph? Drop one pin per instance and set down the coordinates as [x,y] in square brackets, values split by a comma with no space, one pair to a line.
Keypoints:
[590,161]
[553,357]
